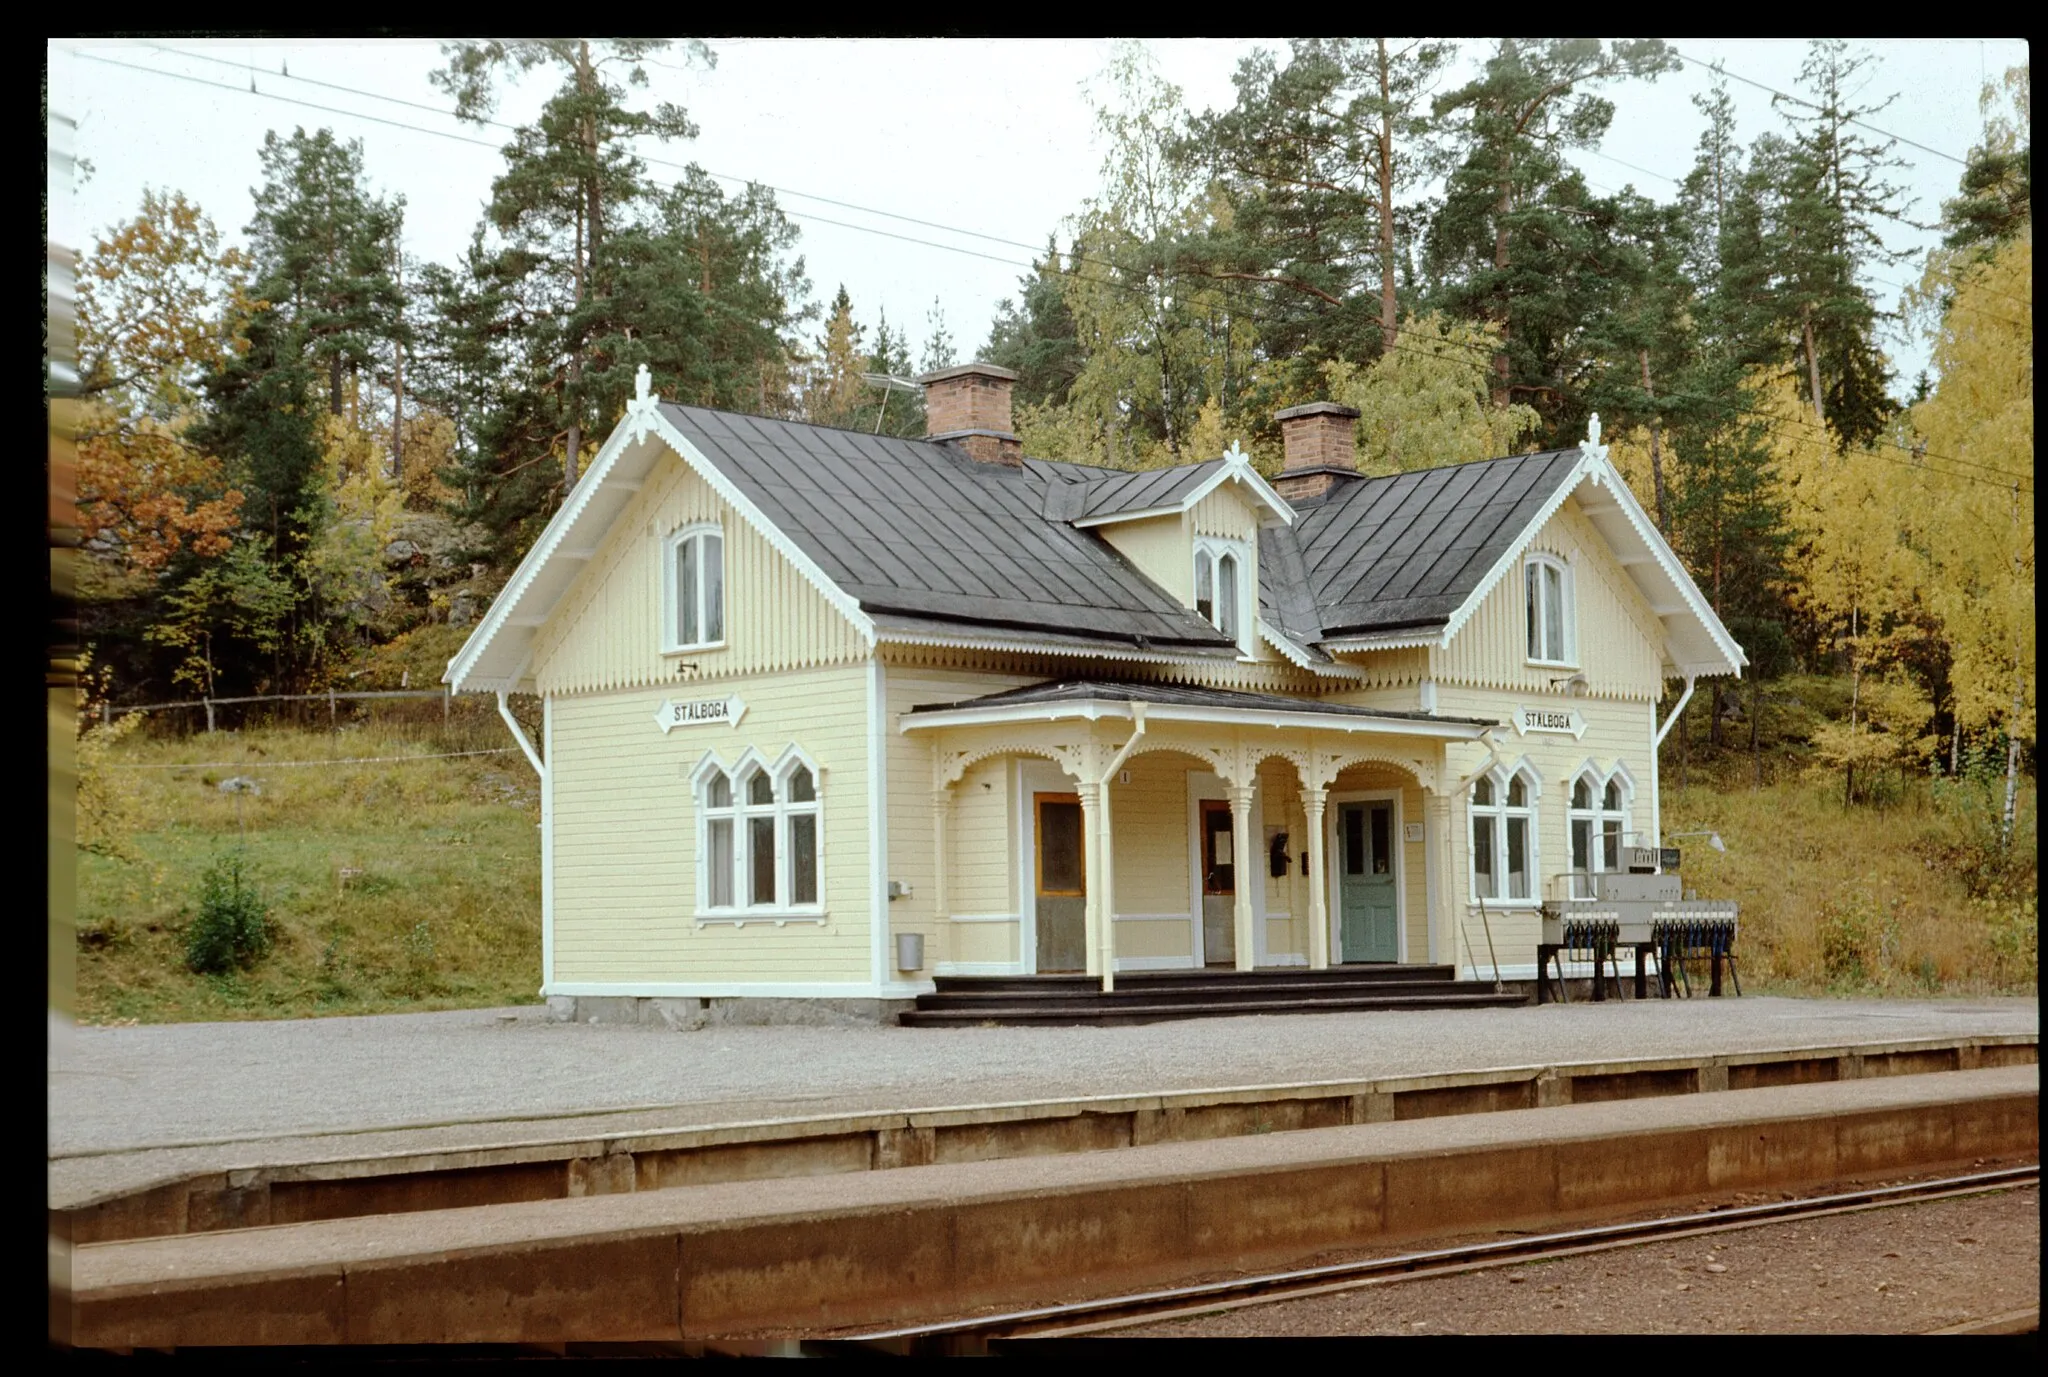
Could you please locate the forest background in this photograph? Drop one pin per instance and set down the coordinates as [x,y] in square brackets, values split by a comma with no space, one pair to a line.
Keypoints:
[310,462]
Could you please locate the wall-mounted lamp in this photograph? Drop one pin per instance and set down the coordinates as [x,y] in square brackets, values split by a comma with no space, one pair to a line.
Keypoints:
[1575,686]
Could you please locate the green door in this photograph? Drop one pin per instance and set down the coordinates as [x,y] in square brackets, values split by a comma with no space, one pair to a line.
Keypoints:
[1365,882]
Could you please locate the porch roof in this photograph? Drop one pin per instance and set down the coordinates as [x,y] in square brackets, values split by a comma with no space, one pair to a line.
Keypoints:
[1091,699]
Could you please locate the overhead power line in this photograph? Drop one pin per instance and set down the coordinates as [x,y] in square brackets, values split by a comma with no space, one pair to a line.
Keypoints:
[1227,289]
[1798,100]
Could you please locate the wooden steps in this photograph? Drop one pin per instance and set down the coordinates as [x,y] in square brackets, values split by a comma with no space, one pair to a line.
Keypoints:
[1152,996]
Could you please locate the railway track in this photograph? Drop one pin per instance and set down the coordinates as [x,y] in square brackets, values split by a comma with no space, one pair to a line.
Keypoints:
[1105,1315]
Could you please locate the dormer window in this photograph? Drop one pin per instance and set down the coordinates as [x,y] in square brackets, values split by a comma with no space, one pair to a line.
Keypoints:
[1223,588]
[1548,583]
[693,577]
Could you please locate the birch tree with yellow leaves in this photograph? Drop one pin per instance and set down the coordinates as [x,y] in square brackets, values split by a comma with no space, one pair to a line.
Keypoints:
[1968,511]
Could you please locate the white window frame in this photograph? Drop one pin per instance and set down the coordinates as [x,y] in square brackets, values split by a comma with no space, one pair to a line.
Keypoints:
[1209,553]
[1568,652]
[671,620]
[1600,821]
[782,810]
[1497,815]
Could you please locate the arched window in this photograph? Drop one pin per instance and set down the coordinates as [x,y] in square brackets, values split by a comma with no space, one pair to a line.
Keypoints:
[1597,818]
[1503,809]
[693,585]
[1223,588]
[758,834]
[1547,583]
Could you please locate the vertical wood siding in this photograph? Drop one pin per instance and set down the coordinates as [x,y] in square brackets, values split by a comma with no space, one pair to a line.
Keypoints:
[625,835]
[606,631]
[1620,641]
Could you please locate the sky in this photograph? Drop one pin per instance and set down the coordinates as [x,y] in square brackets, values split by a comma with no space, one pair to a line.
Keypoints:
[989,143]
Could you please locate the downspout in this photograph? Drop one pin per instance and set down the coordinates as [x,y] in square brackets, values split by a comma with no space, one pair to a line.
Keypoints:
[1486,739]
[1108,935]
[519,734]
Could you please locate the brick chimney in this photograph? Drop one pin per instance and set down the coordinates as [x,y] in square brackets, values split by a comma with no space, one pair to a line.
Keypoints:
[1321,440]
[970,406]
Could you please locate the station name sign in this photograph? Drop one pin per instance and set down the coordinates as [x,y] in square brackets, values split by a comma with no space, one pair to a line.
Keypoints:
[699,712]
[1562,721]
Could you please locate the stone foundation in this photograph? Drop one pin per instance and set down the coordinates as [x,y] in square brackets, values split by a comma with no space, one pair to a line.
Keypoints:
[689,1014]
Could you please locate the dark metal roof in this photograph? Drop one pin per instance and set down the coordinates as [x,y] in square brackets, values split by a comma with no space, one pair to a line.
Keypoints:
[1119,691]
[920,530]
[924,537]
[1407,550]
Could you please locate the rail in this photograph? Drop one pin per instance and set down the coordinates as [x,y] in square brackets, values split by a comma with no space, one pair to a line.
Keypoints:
[1151,1307]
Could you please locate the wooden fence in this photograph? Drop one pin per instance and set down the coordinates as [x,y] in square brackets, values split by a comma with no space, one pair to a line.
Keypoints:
[108,712]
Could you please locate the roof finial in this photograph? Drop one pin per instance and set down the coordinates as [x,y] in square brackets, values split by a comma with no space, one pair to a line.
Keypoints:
[1593,431]
[641,380]
[1235,454]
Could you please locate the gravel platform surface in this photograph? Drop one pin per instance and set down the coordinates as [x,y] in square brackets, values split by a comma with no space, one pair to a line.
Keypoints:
[169,1086]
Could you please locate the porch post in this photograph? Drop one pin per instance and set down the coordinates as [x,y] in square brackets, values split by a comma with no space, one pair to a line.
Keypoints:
[1244,869]
[1091,871]
[942,809]
[1106,891]
[1312,803]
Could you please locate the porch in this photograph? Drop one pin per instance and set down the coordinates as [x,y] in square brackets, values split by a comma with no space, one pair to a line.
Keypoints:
[1127,832]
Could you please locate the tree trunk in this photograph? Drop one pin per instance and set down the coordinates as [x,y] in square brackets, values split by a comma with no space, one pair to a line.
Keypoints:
[1656,452]
[2012,762]
[398,390]
[1756,758]
[1500,266]
[1813,371]
[1387,319]
[334,385]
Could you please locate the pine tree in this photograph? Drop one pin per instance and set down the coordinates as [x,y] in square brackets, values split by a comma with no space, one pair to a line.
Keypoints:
[323,249]
[570,178]
[1508,190]
[1033,336]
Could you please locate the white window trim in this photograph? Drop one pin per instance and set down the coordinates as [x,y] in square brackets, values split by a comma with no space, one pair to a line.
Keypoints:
[1569,623]
[1498,813]
[669,644]
[740,913]
[1599,814]
[1210,550]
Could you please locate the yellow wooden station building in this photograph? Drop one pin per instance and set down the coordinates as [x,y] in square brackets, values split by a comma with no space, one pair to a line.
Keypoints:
[806,691]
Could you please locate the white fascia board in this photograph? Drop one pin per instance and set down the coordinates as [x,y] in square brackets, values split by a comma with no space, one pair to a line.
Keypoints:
[1513,554]
[1094,709]
[543,549]
[1358,645]
[844,603]
[1603,472]
[1328,669]
[633,429]
[1107,652]
[1243,473]
[1113,518]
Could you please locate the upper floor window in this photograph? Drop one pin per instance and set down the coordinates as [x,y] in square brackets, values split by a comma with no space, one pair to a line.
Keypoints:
[1598,820]
[1223,588]
[757,839]
[1503,812]
[1548,581]
[693,577]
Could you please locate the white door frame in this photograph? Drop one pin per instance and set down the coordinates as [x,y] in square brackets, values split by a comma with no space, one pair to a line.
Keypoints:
[1332,860]
[1203,784]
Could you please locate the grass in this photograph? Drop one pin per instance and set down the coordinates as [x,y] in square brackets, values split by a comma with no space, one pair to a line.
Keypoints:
[1907,893]
[393,886]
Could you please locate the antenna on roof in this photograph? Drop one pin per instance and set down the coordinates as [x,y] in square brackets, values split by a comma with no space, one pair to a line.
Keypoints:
[888,383]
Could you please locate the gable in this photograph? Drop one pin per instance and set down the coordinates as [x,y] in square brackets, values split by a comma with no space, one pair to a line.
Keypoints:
[1620,641]
[605,632]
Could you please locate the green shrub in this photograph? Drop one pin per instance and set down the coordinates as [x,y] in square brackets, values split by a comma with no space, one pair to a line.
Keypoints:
[232,929]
